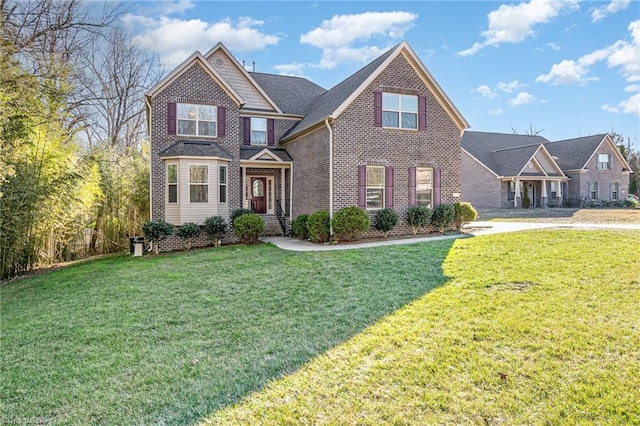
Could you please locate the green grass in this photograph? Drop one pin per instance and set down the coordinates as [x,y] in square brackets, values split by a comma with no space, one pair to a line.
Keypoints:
[173,338]
[539,327]
[532,328]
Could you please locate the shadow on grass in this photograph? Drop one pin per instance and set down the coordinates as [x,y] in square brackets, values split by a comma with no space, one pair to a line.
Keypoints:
[173,338]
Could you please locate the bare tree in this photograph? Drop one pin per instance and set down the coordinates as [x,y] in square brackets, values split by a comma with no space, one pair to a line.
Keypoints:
[530,132]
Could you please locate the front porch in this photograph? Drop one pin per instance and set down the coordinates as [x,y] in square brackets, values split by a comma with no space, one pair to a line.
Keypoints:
[535,192]
[266,187]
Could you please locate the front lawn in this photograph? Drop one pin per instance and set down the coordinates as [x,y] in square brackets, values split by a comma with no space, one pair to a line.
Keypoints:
[522,328]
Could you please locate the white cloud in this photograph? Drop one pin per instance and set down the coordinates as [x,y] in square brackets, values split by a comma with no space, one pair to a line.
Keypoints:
[632,88]
[343,30]
[622,53]
[602,12]
[522,98]
[496,111]
[628,106]
[342,36]
[176,39]
[485,91]
[515,23]
[566,72]
[511,86]
[554,46]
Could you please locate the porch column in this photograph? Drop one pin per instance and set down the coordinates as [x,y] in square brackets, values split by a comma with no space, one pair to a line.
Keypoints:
[559,193]
[543,197]
[517,201]
[282,189]
[291,192]
[244,185]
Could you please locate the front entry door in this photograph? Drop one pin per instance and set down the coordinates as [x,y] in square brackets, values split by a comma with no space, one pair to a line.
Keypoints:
[258,199]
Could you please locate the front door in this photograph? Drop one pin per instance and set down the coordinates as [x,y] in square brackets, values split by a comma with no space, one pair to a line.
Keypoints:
[258,198]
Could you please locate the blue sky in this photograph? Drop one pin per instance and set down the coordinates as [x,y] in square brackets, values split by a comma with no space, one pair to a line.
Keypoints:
[563,67]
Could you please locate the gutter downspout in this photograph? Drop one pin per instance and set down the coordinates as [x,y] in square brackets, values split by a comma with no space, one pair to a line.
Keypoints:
[148,107]
[326,122]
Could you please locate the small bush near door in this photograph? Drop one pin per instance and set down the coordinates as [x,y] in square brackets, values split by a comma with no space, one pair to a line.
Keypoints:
[299,227]
[247,227]
[318,226]
[236,214]
[215,228]
[349,223]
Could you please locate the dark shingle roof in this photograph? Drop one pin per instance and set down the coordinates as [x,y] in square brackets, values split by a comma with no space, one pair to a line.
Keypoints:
[294,95]
[573,154]
[505,154]
[247,152]
[333,98]
[195,149]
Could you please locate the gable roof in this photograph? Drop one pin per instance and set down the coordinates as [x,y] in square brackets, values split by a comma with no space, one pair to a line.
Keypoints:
[574,154]
[294,95]
[222,48]
[503,153]
[334,101]
[252,153]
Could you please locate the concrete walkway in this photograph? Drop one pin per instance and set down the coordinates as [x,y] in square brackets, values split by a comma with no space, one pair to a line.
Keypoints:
[477,228]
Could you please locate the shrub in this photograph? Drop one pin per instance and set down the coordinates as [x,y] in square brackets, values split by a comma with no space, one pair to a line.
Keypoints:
[443,216]
[318,226]
[464,212]
[299,227]
[385,220]
[215,227]
[349,223]
[156,231]
[236,214]
[247,227]
[418,217]
[188,232]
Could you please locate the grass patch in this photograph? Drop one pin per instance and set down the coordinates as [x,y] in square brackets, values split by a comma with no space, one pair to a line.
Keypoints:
[169,339]
[538,327]
[625,215]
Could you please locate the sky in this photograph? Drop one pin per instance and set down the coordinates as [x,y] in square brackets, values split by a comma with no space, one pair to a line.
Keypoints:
[561,68]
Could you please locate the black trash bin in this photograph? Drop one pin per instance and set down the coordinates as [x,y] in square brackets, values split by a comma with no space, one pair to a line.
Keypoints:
[136,246]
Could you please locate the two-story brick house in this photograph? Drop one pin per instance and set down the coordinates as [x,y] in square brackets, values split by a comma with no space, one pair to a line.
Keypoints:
[503,170]
[224,138]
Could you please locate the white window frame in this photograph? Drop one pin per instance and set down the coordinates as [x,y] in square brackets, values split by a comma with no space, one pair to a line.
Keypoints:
[169,184]
[604,161]
[553,189]
[399,109]
[196,117]
[425,186]
[254,122]
[375,187]
[223,185]
[205,184]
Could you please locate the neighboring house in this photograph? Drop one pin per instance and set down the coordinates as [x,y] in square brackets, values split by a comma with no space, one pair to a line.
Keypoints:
[224,138]
[505,170]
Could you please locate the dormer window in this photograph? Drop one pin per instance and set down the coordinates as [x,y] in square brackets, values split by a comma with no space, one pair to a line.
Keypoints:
[197,120]
[258,131]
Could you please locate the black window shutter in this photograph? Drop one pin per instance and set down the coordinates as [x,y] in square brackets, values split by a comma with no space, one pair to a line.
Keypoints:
[388,187]
[270,136]
[247,130]
[362,187]
[222,117]
[171,118]
[412,187]
[437,187]
[422,109]
[377,108]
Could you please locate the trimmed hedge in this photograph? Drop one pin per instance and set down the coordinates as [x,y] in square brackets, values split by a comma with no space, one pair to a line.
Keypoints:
[237,213]
[188,232]
[215,227]
[464,212]
[247,227]
[156,231]
[385,220]
[349,223]
[318,226]
[299,227]
[443,216]
[419,217]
